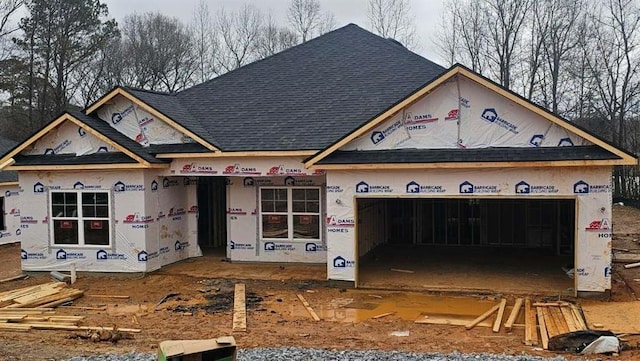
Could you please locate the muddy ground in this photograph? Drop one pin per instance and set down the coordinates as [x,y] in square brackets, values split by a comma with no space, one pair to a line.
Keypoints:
[202,306]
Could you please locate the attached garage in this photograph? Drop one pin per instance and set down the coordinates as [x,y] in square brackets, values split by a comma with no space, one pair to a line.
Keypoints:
[412,242]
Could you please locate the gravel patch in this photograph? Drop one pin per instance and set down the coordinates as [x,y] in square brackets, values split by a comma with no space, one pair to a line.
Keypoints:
[304,354]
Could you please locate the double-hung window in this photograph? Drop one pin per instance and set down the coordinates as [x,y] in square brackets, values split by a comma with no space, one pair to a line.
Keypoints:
[290,213]
[81,218]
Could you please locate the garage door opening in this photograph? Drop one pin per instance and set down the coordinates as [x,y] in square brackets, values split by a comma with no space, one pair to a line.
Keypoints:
[515,245]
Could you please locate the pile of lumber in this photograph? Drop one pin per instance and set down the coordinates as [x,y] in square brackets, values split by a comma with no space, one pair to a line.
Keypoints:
[553,318]
[46,295]
[31,307]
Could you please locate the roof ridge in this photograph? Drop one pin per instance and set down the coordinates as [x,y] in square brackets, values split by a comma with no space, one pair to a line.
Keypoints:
[149,91]
[287,50]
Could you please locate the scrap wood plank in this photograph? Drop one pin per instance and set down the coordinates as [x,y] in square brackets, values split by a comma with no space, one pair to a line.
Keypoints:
[402,270]
[569,318]
[52,300]
[86,308]
[544,335]
[550,323]
[530,329]
[551,304]
[452,320]
[308,307]
[27,299]
[100,328]
[62,300]
[239,308]
[498,322]
[513,315]
[13,317]
[14,278]
[561,324]
[382,315]
[26,309]
[14,327]
[482,317]
[579,317]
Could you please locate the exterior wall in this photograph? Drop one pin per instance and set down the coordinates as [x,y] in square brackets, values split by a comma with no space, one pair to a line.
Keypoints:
[172,234]
[590,187]
[245,176]
[11,232]
[244,243]
[153,221]
[127,190]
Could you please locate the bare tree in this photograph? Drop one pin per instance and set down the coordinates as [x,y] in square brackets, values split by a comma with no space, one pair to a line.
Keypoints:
[307,20]
[393,19]
[7,9]
[274,38]
[504,23]
[205,42]
[160,52]
[463,37]
[239,35]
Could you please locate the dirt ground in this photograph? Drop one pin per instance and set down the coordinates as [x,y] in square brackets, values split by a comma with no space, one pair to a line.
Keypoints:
[203,308]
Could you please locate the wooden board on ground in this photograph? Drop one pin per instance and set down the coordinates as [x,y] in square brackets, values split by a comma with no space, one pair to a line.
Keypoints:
[559,320]
[569,319]
[530,329]
[307,306]
[498,322]
[619,317]
[515,311]
[544,335]
[454,320]
[239,309]
[482,317]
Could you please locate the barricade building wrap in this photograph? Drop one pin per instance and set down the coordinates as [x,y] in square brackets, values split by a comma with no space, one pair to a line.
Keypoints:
[591,189]
[118,221]
[10,225]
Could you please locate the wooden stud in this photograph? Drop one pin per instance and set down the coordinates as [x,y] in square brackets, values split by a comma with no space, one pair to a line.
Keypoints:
[306,305]
[530,331]
[239,308]
[544,335]
[482,317]
[8,184]
[551,304]
[569,319]
[498,322]
[89,166]
[14,278]
[513,315]
[86,308]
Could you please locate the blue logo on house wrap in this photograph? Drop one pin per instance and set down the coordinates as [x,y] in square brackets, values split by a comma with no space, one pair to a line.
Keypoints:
[81,132]
[311,247]
[61,254]
[377,137]
[101,254]
[536,140]
[78,185]
[339,262]
[23,254]
[269,246]
[38,188]
[413,187]
[142,256]
[154,185]
[362,187]
[490,114]
[581,187]
[523,187]
[565,142]
[466,187]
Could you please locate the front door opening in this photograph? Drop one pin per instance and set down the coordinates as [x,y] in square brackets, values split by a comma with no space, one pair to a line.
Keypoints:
[212,213]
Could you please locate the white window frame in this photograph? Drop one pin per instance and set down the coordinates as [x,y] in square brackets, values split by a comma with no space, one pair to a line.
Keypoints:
[290,213]
[80,218]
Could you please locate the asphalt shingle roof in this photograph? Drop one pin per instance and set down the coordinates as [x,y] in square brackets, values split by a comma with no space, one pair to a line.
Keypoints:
[306,97]
[72,159]
[7,175]
[591,152]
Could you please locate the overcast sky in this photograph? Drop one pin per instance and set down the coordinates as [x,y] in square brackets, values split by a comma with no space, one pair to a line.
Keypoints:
[426,13]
